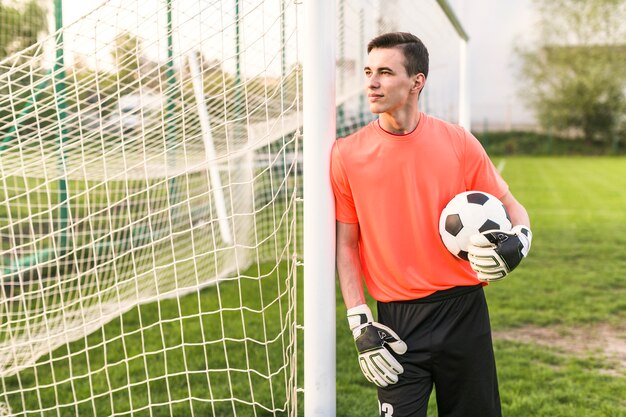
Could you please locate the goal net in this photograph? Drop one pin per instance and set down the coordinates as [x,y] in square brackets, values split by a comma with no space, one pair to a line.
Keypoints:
[150,151]
[149,198]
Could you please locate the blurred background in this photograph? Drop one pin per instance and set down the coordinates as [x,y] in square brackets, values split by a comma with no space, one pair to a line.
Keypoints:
[554,68]
[495,28]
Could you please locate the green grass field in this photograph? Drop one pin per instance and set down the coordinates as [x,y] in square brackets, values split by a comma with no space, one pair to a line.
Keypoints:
[572,282]
[167,358]
[201,344]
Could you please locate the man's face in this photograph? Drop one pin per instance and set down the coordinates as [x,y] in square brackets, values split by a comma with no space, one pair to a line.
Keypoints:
[389,87]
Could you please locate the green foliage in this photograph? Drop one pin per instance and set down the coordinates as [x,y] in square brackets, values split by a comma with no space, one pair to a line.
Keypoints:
[21,26]
[575,74]
[534,143]
[128,56]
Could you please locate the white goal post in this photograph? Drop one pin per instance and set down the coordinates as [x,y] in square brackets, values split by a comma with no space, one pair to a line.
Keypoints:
[335,105]
[164,188]
[319,219]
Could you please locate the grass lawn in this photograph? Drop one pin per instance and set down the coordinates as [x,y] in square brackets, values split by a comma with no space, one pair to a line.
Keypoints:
[572,281]
[169,357]
[190,356]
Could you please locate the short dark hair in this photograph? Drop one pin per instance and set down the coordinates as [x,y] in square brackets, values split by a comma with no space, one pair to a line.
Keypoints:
[414,50]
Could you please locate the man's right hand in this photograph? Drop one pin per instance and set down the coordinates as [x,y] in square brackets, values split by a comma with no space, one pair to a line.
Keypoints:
[377,363]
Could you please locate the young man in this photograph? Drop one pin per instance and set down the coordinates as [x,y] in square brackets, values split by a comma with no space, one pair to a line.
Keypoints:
[391,181]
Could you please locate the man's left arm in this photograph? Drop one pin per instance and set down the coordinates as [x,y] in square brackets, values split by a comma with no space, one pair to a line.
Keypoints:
[517,212]
[494,254]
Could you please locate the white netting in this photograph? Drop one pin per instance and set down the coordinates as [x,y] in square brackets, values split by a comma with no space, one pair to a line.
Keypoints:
[155,156]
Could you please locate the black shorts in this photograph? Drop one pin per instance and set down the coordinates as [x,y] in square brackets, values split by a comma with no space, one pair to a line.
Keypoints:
[448,336]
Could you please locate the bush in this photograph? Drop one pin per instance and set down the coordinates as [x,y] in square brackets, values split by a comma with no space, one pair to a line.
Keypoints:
[532,143]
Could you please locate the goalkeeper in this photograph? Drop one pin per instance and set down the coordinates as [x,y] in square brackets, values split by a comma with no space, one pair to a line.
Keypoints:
[391,180]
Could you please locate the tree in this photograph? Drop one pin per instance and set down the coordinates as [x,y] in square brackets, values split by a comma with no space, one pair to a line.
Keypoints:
[576,71]
[21,26]
[128,57]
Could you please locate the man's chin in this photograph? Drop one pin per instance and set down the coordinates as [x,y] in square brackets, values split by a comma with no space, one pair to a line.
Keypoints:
[376,109]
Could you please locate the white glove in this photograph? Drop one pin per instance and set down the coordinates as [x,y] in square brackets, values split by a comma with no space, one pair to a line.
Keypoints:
[377,363]
[494,254]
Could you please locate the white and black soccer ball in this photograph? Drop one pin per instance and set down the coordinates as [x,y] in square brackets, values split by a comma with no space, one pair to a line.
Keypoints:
[467,214]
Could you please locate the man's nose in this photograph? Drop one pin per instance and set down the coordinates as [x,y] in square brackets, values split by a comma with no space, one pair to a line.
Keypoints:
[373,82]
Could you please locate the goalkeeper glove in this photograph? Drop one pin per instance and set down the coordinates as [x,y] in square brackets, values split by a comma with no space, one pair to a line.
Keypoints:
[377,363]
[494,254]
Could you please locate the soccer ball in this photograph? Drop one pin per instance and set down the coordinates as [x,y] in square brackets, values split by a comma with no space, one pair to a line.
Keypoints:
[467,214]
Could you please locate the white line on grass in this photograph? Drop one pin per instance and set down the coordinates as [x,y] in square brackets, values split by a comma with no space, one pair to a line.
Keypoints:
[501,166]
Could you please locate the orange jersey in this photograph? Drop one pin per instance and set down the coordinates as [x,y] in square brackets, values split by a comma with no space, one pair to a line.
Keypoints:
[395,187]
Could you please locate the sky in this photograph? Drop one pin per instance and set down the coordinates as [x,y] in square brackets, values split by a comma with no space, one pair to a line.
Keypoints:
[495,27]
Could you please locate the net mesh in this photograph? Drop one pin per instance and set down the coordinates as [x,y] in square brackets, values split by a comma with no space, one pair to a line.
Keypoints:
[154,156]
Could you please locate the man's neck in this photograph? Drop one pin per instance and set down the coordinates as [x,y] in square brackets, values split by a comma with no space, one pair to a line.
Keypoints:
[399,124]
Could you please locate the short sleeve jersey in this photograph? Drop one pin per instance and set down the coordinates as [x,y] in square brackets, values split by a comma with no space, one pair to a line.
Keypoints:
[395,187]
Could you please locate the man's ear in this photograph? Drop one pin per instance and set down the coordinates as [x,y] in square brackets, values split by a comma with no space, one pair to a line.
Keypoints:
[419,80]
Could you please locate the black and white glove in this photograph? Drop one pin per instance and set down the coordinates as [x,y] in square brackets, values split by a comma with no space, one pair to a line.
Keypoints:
[371,338]
[493,254]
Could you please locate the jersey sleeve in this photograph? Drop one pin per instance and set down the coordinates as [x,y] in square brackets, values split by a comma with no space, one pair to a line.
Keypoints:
[480,173]
[345,210]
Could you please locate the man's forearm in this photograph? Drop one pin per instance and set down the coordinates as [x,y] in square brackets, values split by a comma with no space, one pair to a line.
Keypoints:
[349,264]
[517,212]
[349,269]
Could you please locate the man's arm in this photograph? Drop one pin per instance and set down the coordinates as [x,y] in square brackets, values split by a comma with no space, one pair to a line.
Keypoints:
[349,264]
[371,338]
[517,212]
